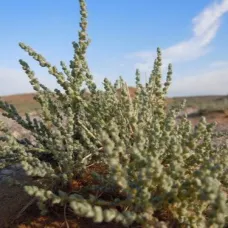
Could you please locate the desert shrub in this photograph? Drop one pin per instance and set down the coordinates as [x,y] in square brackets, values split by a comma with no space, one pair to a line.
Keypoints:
[153,163]
[214,106]
[206,105]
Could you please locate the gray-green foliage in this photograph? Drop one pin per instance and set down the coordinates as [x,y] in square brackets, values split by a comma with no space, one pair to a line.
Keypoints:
[154,162]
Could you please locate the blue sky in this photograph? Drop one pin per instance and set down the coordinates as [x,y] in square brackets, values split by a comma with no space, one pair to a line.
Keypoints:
[125,34]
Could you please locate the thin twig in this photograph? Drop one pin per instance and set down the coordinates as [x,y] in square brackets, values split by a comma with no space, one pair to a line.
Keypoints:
[90,165]
[25,207]
[65,218]
[89,155]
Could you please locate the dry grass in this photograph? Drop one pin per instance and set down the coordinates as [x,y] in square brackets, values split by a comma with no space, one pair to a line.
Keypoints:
[23,102]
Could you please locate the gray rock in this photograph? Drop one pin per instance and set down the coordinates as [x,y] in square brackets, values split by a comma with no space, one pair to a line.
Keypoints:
[6,172]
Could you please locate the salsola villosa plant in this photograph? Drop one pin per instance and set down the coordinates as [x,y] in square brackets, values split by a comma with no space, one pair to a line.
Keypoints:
[154,162]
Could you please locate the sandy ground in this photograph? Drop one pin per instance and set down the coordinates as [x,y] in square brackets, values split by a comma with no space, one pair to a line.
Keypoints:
[12,200]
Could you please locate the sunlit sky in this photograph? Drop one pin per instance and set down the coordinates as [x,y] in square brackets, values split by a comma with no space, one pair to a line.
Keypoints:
[193,36]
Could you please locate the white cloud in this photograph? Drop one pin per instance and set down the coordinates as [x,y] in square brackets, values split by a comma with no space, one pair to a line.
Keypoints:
[210,82]
[209,17]
[219,64]
[205,27]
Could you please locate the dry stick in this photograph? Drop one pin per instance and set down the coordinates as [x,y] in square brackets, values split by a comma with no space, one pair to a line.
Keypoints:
[65,218]
[25,207]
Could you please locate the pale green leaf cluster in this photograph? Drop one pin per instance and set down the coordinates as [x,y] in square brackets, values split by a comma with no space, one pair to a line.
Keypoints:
[154,161]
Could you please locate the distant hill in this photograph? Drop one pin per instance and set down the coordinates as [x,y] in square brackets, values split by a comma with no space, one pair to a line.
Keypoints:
[26,103]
